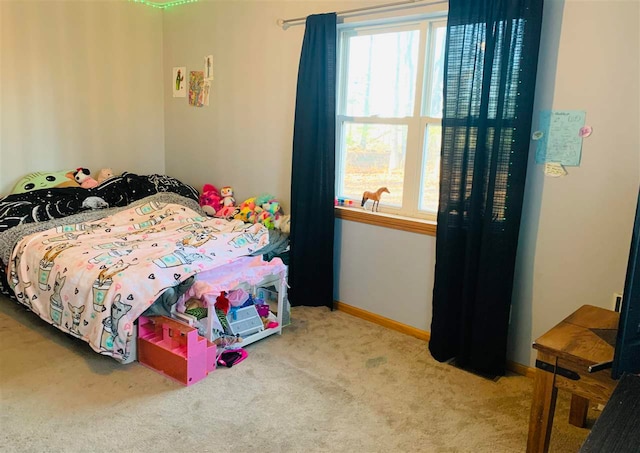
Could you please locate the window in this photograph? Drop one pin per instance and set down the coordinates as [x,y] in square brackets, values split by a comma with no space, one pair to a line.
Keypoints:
[389,113]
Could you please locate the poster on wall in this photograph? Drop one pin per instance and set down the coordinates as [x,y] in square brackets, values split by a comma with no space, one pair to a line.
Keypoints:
[196,88]
[208,67]
[560,137]
[207,90]
[178,83]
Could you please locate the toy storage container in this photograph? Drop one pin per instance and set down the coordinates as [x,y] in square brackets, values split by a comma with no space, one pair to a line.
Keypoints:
[175,349]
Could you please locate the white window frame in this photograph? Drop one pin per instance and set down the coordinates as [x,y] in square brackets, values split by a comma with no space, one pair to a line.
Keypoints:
[416,124]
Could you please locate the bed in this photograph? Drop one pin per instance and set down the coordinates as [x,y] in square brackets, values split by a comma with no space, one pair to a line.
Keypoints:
[91,262]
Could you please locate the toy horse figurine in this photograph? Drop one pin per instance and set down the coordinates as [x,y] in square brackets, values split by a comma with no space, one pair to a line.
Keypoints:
[375,196]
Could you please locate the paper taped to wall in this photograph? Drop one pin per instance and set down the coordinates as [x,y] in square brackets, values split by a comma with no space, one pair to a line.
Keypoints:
[177,82]
[554,169]
[208,67]
[561,141]
[196,88]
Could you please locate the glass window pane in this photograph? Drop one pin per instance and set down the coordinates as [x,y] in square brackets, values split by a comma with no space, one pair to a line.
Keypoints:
[373,157]
[435,90]
[381,74]
[431,169]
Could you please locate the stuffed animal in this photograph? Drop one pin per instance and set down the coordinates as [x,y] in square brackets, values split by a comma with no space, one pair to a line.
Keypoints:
[272,207]
[247,215]
[103,175]
[249,203]
[264,198]
[227,196]
[83,176]
[228,209]
[228,212]
[263,209]
[270,211]
[45,180]
[222,303]
[283,223]
[249,211]
[267,219]
[210,200]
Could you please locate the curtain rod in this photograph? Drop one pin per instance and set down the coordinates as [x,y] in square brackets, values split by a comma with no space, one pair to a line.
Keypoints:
[286,23]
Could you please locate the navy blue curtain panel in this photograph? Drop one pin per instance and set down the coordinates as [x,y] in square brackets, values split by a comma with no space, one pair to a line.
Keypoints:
[491,58]
[313,167]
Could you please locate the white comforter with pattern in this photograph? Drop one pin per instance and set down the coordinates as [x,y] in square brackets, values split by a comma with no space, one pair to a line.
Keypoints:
[94,279]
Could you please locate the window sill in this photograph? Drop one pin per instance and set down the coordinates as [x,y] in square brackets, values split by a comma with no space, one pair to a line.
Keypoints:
[386,220]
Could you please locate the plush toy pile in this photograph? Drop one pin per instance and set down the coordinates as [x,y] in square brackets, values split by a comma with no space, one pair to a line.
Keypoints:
[79,177]
[264,209]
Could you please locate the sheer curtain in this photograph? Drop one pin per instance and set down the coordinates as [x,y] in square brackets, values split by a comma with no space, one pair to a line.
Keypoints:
[489,80]
[313,167]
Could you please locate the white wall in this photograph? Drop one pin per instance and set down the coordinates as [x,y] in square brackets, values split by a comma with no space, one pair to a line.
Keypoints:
[384,271]
[243,138]
[81,85]
[576,230]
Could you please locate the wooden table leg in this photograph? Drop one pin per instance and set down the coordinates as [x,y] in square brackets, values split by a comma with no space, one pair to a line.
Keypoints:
[578,411]
[543,405]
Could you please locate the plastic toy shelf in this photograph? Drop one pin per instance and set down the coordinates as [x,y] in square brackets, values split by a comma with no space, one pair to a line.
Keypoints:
[276,281]
[250,333]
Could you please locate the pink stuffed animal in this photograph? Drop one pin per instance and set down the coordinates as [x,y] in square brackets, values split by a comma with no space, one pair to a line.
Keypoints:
[210,200]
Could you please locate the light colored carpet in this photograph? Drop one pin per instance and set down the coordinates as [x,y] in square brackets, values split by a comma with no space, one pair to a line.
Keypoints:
[330,383]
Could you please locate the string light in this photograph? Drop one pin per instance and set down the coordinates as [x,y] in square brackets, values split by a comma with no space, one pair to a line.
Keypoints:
[163,5]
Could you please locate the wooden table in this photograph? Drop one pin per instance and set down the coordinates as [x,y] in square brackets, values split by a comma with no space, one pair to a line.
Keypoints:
[565,353]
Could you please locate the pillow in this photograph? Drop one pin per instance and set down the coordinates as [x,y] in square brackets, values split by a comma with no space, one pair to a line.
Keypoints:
[45,180]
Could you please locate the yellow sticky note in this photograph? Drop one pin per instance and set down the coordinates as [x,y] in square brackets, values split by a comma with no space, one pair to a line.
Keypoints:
[554,169]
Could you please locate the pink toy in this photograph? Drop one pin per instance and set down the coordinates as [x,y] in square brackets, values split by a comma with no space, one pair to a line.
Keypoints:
[232,357]
[263,310]
[83,177]
[222,303]
[175,349]
[210,200]
[227,212]
[237,297]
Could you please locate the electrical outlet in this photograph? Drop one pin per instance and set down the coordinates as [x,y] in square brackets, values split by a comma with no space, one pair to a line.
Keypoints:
[616,302]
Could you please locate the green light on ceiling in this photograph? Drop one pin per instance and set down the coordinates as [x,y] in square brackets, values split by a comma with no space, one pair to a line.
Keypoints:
[163,5]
